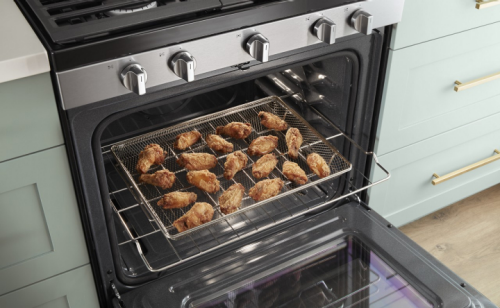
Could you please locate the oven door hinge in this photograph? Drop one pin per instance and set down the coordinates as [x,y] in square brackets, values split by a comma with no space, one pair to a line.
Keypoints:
[116,293]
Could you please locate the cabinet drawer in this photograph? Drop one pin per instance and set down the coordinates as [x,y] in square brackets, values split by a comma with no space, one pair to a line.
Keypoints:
[40,228]
[28,121]
[409,193]
[419,99]
[74,289]
[425,20]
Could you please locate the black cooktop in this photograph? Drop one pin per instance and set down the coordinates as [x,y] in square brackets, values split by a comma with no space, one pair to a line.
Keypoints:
[69,21]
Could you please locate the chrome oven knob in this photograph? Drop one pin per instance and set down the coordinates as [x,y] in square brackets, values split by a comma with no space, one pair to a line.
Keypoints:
[134,78]
[183,64]
[362,22]
[258,47]
[324,30]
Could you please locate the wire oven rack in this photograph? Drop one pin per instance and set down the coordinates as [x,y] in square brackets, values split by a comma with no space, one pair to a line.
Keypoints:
[138,235]
[126,154]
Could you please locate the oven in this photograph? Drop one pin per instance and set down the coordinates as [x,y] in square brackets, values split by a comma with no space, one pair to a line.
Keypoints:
[320,66]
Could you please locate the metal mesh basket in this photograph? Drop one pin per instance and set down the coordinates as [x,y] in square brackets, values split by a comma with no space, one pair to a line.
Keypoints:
[126,154]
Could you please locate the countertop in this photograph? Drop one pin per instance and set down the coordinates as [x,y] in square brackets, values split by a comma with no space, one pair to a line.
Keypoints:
[21,53]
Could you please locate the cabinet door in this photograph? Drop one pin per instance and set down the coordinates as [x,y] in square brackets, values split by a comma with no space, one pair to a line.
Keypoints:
[419,99]
[409,193]
[73,289]
[40,228]
[28,121]
[425,20]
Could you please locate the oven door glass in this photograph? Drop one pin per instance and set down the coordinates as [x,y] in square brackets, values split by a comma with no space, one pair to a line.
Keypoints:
[347,274]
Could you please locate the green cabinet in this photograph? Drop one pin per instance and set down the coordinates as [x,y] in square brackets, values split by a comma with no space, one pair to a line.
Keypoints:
[409,194]
[29,121]
[73,289]
[425,20]
[419,100]
[40,228]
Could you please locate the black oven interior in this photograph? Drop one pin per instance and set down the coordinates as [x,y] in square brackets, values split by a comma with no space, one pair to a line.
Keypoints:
[322,92]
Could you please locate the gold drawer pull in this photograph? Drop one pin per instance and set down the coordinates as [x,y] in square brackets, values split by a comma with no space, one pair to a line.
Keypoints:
[440,179]
[464,86]
[484,4]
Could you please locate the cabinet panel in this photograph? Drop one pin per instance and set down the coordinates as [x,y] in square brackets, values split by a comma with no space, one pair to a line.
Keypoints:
[40,227]
[29,121]
[419,99]
[425,20]
[73,289]
[409,194]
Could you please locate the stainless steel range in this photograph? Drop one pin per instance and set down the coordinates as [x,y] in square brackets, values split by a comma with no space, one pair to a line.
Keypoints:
[130,74]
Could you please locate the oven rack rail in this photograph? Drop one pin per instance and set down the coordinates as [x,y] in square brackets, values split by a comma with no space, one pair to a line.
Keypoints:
[135,238]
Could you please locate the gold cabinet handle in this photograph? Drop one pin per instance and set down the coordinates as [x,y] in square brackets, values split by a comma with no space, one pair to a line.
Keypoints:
[440,179]
[484,4]
[464,86]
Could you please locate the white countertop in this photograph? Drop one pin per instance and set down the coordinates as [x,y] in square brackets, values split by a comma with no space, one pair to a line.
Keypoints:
[21,53]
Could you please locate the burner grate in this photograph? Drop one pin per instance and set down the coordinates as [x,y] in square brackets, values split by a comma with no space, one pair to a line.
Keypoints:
[69,21]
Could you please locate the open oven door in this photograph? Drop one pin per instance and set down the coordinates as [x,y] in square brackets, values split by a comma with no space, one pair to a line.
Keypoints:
[345,257]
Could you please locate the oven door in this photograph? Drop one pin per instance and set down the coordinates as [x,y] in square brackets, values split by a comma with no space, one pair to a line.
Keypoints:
[345,257]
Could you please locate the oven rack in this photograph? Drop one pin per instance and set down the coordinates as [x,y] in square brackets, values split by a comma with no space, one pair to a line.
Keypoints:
[195,246]
[126,154]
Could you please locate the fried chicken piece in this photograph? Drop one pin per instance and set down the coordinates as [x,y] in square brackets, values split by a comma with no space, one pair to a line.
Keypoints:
[177,200]
[266,189]
[152,154]
[318,165]
[263,145]
[197,161]
[217,143]
[204,180]
[162,178]
[234,163]
[272,121]
[294,173]
[293,141]
[230,201]
[236,130]
[262,167]
[200,213]
[185,140]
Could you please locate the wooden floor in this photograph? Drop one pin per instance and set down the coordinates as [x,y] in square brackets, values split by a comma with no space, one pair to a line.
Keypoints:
[465,236]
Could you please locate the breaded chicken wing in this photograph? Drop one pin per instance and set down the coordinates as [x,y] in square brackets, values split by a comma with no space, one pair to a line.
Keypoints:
[294,173]
[217,143]
[262,167]
[152,154]
[176,200]
[234,163]
[197,161]
[272,121]
[266,189]
[162,178]
[293,141]
[199,214]
[262,145]
[185,140]
[204,180]
[230,201]
[318,165]
[236,130]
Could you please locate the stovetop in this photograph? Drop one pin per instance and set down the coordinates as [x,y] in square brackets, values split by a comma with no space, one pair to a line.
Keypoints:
[78,33]
[70,21]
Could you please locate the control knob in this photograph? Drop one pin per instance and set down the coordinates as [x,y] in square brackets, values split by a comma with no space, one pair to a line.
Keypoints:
[324,30]
[362,22]
[183,64]
[258,47]
[134,78]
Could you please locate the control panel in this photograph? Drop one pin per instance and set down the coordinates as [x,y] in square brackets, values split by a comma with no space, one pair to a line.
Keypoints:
[222,52]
